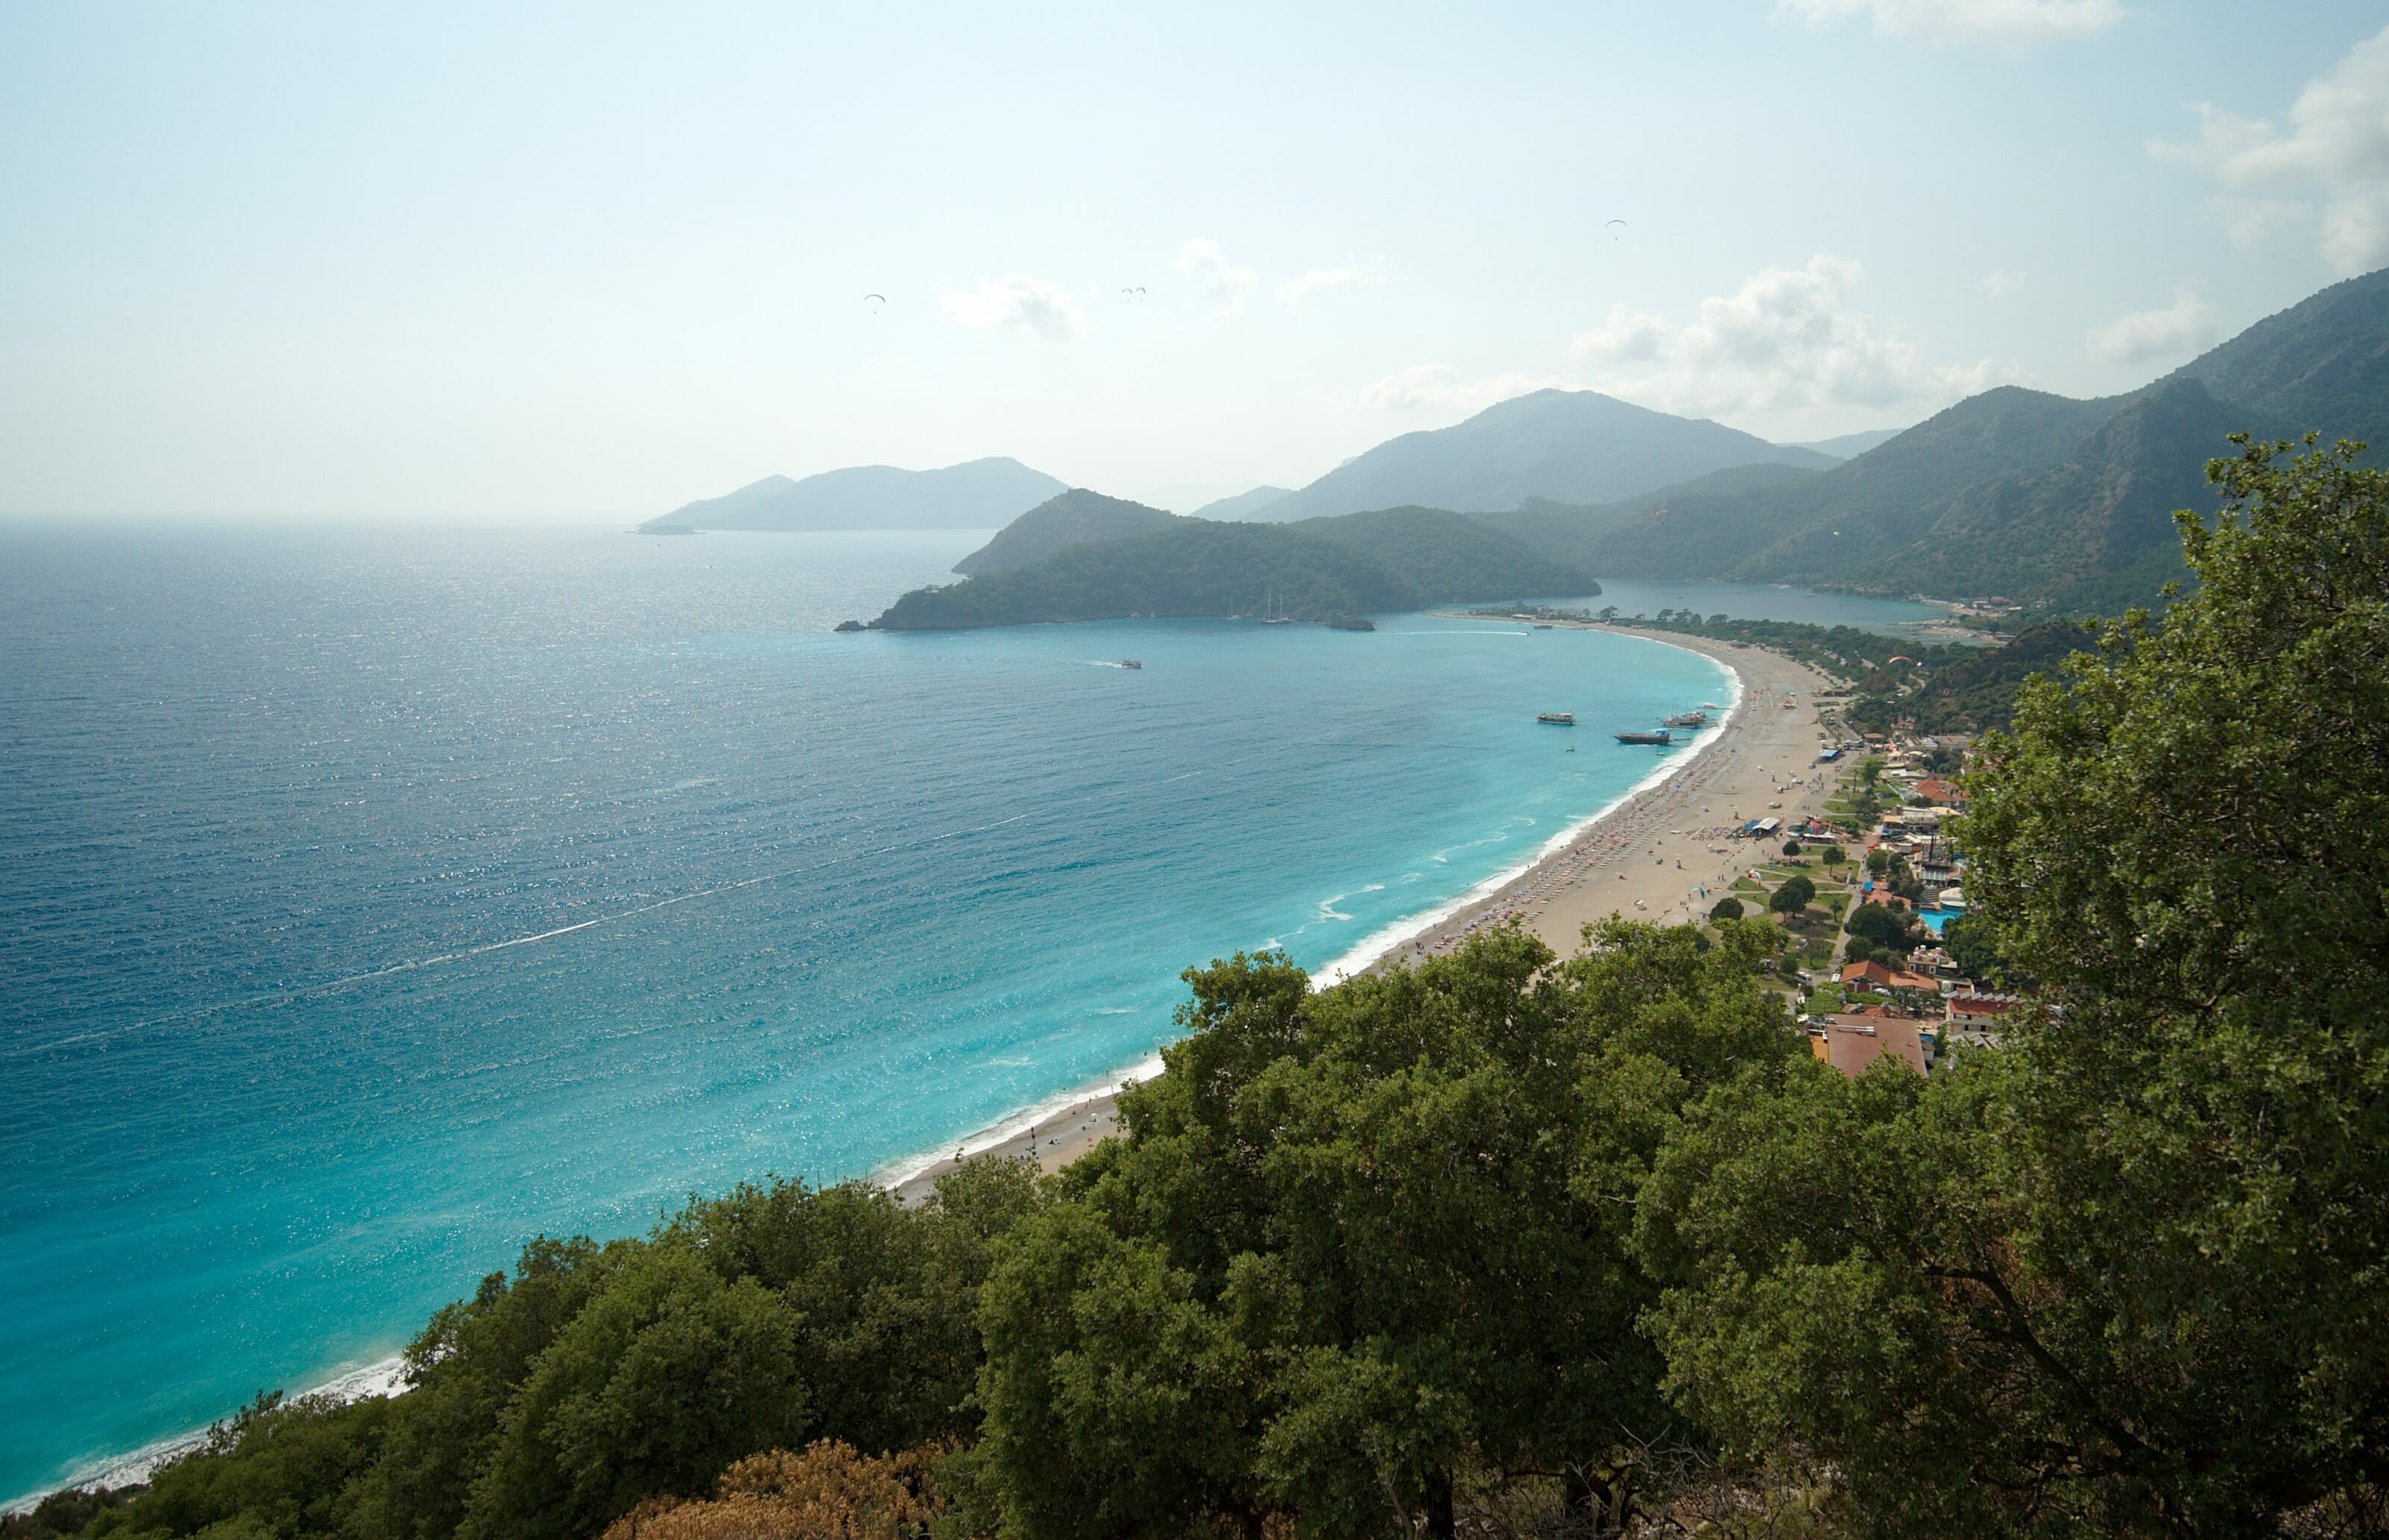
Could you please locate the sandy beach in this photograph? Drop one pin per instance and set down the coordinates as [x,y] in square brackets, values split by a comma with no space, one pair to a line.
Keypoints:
[1663,856]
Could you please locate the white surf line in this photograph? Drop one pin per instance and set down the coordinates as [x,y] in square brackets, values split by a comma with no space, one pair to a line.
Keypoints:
[1387,939]
[277,996]
[383,1377]
[897,1172]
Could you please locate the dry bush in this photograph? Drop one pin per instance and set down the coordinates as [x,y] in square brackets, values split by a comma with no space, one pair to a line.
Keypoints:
[827,1493]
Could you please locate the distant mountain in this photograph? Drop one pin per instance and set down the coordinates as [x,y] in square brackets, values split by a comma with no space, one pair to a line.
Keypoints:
[1323,569]
[1073,518]
[1571,446]
[2321,365]
[1244,506]
[2042,499]
[978,494]
[1849,446]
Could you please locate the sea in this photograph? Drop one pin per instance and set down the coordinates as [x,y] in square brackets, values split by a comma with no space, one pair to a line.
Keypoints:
[372,901]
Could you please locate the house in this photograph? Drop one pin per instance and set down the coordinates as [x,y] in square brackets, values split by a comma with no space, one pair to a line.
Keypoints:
[1851,1042]
[1866,975]
[1933,789]
[1933,960]
[1977,1018]
[1875,976]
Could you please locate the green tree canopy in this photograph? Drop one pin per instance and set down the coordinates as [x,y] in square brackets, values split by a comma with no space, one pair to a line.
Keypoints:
[2126,1274]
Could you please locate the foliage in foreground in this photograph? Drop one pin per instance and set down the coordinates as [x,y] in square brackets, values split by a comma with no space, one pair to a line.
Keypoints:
[1523,1245]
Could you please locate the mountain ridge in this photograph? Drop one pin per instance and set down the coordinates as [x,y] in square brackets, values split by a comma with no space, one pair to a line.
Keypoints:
[1567,445]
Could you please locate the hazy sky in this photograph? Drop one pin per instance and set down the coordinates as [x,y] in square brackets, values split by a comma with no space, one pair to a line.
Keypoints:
[527,263]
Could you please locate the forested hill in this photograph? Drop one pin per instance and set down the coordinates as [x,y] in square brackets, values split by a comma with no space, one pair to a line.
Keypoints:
[1403,559]
[1073,518]
[2323,365]
[2059,504]
[2053,502]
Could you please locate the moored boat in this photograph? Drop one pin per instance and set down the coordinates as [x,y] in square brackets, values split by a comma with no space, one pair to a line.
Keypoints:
[1659,737]
[1557,718]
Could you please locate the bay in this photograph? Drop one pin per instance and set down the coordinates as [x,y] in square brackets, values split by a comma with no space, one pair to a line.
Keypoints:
[375,900]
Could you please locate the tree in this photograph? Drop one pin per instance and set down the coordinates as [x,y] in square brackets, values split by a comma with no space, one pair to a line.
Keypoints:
[275,1467]
[1881,927]
[1727,908]
[662,1379]
[1830,855]
[2125,1274]
[1791,847]
[828,1493]
[1792,895]
[1282,1294]
[1878,861]
[1973,944]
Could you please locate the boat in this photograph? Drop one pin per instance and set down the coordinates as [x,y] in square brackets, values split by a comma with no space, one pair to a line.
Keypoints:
[1711,705]
[1659,737]
[1128,662]
[1540,627]
[1557,718]
[1686,719]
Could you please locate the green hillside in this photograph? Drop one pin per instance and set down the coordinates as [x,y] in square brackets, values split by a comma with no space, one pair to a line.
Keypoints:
[1448,556]
[2058,503]
[1401,558]
[1073,518]
[2323,365]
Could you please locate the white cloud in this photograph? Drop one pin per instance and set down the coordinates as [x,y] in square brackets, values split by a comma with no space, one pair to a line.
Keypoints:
[1437,388]
[1017,300]
[2181,328]
[1326,280]
[1790,340]
[1628,337]
[2327,169]
[2000,282]
[2000,23]
[1225,282]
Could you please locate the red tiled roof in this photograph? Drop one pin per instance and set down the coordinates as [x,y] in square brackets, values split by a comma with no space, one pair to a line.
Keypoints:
[1850,1043]
[1980,1005]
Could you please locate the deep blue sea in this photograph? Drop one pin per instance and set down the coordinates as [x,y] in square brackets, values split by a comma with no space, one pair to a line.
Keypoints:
[371,903]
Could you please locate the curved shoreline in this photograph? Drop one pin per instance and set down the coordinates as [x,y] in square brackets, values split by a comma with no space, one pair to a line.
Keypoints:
[1579,877]
[1059,1129]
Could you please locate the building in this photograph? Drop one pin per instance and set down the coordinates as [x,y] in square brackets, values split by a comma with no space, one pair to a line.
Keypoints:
[1933,789]
[1875,976]
[1977,1018]
[1851,1042]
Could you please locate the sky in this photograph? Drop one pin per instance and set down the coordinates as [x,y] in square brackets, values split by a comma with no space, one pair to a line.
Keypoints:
[499,265]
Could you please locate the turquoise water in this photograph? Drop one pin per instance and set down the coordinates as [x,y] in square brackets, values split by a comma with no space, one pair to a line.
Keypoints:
[376,901]
[1760,602]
